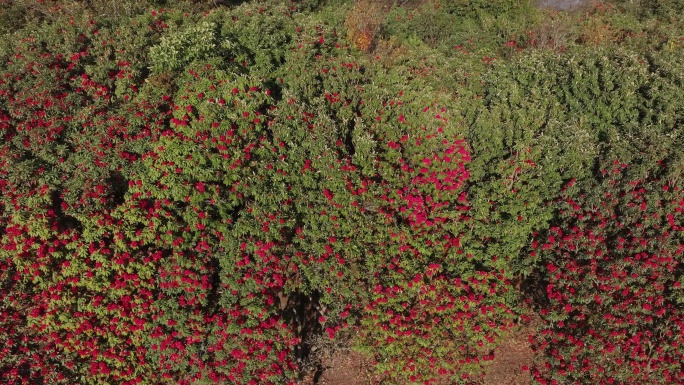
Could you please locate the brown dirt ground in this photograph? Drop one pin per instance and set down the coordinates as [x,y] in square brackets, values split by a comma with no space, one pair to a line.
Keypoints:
[348,368]
[351,368]
[509,357]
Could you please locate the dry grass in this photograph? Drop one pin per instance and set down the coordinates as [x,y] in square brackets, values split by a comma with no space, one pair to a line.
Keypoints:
[363,23]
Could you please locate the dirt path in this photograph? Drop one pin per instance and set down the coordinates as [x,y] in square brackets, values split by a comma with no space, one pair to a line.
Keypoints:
[510,357]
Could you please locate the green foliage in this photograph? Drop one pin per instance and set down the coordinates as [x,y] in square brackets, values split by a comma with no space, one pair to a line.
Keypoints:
[654,9]
[258,37]
[546,119]
[477,26]
[177,49]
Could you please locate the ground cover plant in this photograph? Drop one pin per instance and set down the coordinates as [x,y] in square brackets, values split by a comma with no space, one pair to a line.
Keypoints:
[225,192]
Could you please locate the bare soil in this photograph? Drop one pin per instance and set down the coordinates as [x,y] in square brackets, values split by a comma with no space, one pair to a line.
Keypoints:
[509,359]
[348,368]
[352,368]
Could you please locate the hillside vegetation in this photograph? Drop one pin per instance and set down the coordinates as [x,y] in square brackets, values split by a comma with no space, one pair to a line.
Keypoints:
[224,192]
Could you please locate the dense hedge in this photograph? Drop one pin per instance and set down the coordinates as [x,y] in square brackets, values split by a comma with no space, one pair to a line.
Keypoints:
[614,289]
[213,194]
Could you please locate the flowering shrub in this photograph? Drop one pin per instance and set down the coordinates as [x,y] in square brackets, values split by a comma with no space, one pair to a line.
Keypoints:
[201,197]
[68,146]
[367,148]
[208,260]
[614,268]
[215,316]
[26,356]
[520,165]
